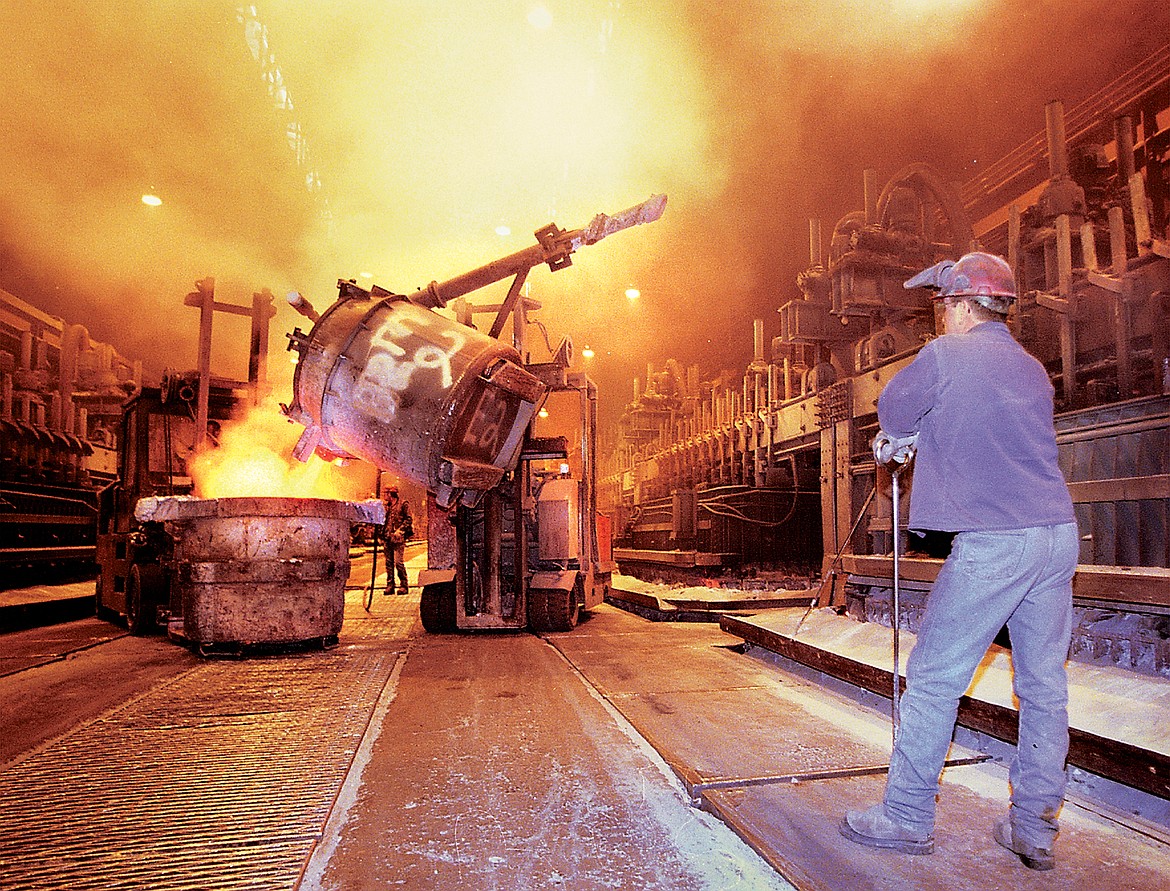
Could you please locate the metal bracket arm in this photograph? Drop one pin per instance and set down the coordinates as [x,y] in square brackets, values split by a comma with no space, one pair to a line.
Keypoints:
[553,247]
[1048,301]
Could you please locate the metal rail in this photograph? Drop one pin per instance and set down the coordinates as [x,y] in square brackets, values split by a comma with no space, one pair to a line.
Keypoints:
[1106,104]
[1123,586]
[80,553]
[697,789]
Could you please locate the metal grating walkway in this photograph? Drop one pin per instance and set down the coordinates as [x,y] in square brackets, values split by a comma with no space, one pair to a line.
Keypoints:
[222,778]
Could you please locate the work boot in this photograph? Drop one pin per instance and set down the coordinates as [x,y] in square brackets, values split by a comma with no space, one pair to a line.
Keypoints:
[403,591]
[876,830]
[1032,857]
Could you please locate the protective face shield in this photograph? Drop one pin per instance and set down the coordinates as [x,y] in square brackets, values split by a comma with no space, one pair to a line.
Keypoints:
[983,278]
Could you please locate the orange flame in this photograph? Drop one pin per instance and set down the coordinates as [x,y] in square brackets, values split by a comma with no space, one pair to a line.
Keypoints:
[254,459]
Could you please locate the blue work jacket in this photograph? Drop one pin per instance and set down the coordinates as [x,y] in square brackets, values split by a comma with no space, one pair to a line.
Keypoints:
[982,409]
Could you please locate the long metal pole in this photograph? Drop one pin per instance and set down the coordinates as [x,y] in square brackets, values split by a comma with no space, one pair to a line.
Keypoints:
[377,535]
[897,606]
[206,315]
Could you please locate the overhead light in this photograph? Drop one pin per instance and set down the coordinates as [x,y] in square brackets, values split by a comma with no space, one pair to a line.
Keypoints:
[543,413]
[151,200]
[503,230]
[540,17]
[587,352]
[633,293]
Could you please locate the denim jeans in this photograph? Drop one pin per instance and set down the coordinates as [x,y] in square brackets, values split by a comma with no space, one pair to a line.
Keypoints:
[1021,578]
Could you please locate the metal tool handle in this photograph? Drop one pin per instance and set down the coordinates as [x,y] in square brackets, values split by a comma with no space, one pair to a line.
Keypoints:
[896,610]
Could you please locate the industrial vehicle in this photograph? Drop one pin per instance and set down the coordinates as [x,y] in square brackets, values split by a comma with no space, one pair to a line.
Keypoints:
[512,522]
[161,429]
[158,437]
[220,574]
[534,551]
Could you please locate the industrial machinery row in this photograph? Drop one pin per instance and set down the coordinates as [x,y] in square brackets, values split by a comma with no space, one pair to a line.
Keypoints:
[61,395]
[771,475]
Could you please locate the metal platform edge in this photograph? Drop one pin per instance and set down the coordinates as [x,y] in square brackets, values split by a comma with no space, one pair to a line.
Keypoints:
[662,609]
[41,613]
[1113,759]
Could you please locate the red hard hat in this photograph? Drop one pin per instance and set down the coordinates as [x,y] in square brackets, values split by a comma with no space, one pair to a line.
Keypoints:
[984,278]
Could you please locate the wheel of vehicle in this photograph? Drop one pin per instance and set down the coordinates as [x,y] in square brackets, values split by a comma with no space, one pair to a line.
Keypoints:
[437,607]
[553,609]
[145,590]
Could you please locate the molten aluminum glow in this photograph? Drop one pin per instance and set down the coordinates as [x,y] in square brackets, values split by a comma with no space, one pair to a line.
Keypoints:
[254,459]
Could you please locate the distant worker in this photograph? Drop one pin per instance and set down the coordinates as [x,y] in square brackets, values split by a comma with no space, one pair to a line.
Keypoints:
[399,529]
[979,410]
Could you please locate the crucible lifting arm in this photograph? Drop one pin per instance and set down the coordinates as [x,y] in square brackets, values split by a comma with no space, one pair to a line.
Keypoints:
[554,247]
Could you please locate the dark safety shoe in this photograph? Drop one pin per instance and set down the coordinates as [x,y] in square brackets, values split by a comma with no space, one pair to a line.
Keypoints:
[874,829]
[1032,857]
[402,592]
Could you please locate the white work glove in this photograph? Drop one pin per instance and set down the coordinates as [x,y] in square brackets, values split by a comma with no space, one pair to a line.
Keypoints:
[895,449]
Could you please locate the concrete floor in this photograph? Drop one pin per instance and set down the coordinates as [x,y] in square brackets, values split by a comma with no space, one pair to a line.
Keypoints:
[486,761]
[492,763]
[509,761]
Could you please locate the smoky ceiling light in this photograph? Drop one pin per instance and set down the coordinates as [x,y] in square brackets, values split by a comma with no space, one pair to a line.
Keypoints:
[587,352]
[151,200]
[633,293]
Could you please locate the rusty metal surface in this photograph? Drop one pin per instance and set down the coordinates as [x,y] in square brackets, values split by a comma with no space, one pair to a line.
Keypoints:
[258,570]
[410,390]
[222,778]
[188,507]
[604,225]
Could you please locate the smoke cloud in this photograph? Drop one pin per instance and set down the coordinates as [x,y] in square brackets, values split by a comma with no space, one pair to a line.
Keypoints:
[431,124]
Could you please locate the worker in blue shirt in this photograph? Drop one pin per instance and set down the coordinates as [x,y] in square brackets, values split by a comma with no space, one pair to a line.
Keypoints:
[978,410]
